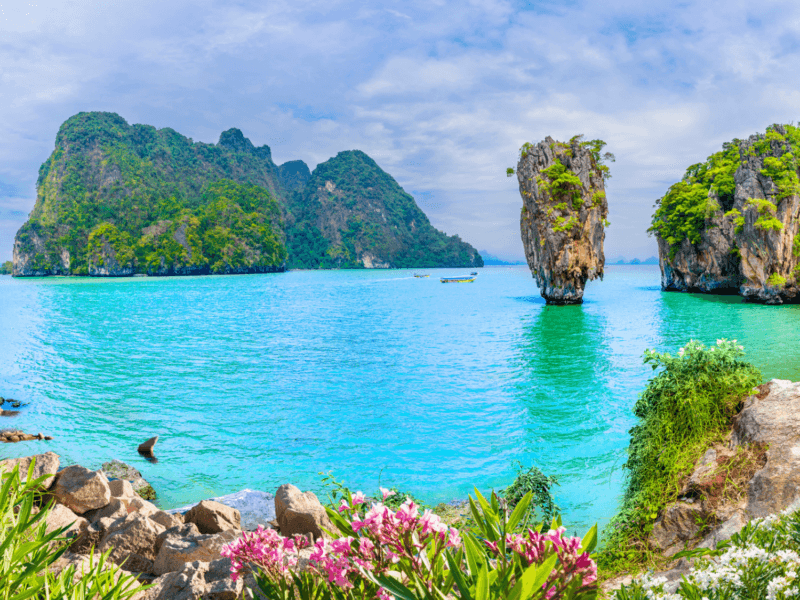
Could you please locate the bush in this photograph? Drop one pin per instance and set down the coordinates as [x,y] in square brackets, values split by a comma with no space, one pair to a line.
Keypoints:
[685,408]
[536,483]
[27,551]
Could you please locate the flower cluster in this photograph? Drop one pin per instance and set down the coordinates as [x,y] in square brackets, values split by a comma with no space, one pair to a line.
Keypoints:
[536,547]
[383,539]
[264,548]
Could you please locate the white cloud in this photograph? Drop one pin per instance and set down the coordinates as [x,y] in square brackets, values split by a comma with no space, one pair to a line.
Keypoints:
[440,93]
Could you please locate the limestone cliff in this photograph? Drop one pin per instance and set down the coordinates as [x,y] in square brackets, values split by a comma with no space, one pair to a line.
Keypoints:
[731,225]
[564,210]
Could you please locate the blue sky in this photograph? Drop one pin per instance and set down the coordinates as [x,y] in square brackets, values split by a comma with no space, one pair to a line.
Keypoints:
[441,94]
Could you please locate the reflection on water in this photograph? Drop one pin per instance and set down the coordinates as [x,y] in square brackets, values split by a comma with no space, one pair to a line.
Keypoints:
[256,381]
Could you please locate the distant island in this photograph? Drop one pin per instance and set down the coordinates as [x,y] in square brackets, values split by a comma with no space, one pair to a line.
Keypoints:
[490,260]
[634,261]
[6,267]
[115,199]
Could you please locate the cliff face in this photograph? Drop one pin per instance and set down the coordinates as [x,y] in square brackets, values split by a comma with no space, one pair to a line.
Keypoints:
[564,210]
[116,199]
[731,225]
[353,214]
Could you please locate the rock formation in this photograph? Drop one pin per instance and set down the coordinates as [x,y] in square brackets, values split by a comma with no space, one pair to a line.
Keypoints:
[563,219]
[731,225]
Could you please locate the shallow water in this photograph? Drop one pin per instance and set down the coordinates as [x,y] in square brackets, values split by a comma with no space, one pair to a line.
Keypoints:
[254,381]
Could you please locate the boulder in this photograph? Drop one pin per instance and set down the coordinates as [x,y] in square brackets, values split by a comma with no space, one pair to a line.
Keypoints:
[121,488]
[175,552]
[132,541]
[165,519]
[772,417]
[187,584]
[676,524]
[255,507]
[300,513]
[206,580]
[147,447]
[177,532]
[80,489]
[45,464]
[213,517]
[115,509]
[116,469]
[60,516]
[90,537]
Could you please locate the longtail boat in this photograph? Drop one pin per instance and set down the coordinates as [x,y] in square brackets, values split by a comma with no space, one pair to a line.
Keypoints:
[465,279]
[421,275]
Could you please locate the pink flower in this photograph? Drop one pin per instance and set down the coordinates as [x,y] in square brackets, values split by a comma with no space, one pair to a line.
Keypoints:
[492,546]
[358,498]
[386,493]
[344,506]
[454,539]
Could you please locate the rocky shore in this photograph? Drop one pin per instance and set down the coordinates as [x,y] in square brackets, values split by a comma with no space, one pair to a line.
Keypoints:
[176,551]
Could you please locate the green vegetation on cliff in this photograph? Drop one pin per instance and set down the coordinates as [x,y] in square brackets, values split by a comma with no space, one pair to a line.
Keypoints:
[686,408]
[708,187]
[6,267]
[116,199]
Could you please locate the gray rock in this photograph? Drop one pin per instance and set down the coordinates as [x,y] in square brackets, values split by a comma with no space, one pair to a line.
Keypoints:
[80,489]
[44,464]
[121,488]
[175,552]
[255,507]
[115,509]
[563,239]
[676,524]
[147,447]
[300,513]
[773,419]
[60,516]
[178,532]
[213,517]
[187,584]
[132,541]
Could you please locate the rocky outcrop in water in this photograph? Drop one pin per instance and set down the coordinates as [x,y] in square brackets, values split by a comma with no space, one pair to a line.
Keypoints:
[731,225]
[564,210]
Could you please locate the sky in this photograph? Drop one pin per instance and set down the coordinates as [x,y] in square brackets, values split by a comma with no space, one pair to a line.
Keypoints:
[441,94]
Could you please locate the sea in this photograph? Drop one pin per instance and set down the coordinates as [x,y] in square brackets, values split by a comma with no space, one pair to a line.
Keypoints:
[374,376]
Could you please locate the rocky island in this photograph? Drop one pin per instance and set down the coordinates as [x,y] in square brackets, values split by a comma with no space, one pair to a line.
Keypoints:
[564,212]
[115,199]
[730,225]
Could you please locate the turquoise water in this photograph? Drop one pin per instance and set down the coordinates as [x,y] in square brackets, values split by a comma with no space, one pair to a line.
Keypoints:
[255,381]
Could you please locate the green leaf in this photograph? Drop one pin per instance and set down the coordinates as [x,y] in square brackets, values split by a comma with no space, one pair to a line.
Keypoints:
[458,574]
[482,585]
[395,587]
[519,512]
[589,540]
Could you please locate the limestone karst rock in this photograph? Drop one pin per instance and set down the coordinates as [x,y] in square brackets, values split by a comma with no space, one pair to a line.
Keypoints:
[731,224]
[564,211]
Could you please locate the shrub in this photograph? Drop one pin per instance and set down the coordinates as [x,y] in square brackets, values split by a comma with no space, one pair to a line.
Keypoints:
[532,481]
[684,409]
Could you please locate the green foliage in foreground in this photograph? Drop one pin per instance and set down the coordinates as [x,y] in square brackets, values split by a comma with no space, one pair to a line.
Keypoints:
[6,268]
[760,561]
[28,552]
[685,408]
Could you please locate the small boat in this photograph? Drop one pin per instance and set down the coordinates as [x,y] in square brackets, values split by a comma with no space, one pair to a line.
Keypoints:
[474,273]
[465,279]
[421,275]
